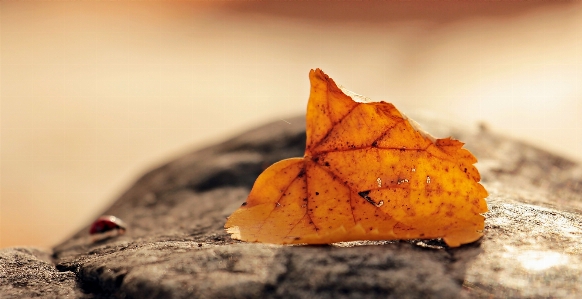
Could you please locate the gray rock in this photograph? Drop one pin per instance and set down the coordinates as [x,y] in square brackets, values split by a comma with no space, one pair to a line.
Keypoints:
[175,245]
[31,273]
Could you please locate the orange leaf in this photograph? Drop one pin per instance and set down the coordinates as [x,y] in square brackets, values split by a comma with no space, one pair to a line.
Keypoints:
[369,173]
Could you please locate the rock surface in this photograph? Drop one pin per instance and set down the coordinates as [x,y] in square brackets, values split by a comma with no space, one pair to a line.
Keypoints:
[30,273]
[175,246]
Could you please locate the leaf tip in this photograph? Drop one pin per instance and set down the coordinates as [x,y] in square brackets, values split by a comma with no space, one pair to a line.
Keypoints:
[318,75]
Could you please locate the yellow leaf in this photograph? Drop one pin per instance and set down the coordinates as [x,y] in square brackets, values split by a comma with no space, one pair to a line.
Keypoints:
[368,173]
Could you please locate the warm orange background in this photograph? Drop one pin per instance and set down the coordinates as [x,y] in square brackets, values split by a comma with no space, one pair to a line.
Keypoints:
[93,94]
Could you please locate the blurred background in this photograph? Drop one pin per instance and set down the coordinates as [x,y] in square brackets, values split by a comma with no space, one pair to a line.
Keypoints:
[93,94]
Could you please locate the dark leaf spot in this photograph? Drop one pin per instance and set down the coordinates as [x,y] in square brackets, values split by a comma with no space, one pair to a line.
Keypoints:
[364,195]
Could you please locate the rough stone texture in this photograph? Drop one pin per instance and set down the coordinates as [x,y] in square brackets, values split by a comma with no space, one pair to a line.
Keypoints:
[175,246]
[30,273]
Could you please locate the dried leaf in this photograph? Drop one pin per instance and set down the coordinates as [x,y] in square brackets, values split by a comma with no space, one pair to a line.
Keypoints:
[369,173]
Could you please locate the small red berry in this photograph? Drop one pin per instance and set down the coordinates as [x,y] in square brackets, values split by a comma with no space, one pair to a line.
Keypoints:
[107,223]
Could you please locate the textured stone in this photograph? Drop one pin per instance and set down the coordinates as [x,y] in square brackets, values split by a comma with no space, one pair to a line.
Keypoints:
[175,246]
[30,273]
